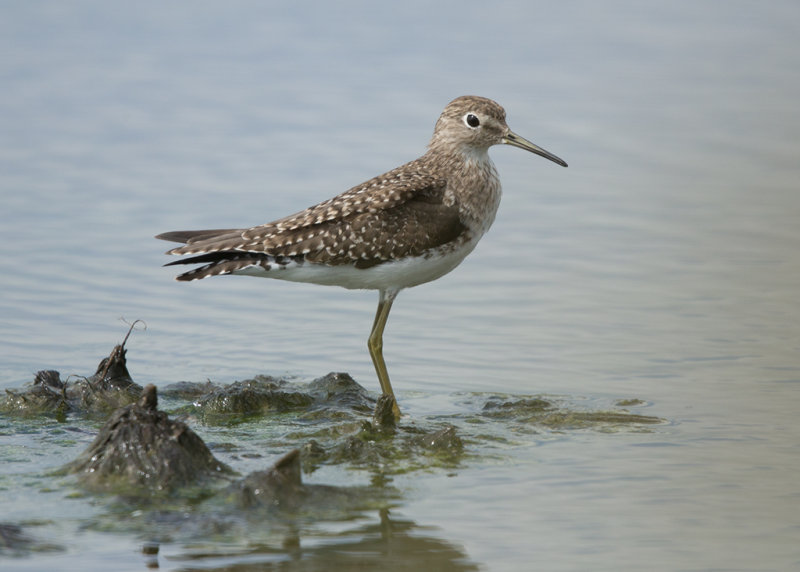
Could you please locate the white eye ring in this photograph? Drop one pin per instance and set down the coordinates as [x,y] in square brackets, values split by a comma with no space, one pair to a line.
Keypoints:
[471,120]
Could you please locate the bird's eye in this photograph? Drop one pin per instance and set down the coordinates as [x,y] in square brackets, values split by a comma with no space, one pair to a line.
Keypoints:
[472,120]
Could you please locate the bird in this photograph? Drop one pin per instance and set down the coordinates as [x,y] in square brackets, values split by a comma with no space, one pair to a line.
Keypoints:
[408,226]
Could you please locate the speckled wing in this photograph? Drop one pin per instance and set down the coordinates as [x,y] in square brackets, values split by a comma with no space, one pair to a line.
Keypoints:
[401,213]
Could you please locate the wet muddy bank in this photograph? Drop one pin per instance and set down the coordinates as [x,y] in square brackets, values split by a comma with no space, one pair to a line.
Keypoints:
[147,458]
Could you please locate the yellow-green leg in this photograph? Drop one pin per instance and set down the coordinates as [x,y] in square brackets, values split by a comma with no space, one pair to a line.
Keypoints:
[375,343]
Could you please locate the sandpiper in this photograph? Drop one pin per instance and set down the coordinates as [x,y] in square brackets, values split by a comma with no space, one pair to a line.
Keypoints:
[400,229]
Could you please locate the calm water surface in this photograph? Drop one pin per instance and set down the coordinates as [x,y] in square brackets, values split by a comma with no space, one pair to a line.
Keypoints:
[662,265]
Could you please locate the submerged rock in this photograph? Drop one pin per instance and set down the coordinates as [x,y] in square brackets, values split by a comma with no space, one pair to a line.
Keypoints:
[280,484]
[14,541]
[187,389]
[331,396]
[387,446]
[549,415]
[445,439]
[281,488]
[140,446]
[259,395]
[526,405]
[109,388]
[140,451]
[46,395]
[341,390]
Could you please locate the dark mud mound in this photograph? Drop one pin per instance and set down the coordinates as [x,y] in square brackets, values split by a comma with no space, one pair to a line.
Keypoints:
[323,422]
[333,396]
[341,391]
[257,396]
[109,388]
[278,485]
[46,395]
[141,447]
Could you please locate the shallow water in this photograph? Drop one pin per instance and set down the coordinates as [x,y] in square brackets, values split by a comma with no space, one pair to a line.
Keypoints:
[661,265]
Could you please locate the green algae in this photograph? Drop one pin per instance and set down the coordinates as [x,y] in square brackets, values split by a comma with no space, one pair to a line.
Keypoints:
[562,415]
[329,424]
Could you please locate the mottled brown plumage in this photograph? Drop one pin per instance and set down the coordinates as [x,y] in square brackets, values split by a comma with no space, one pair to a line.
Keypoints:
[393,216]
[408,226]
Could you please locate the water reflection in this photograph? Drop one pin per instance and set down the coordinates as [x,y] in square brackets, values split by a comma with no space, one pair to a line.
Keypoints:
[391,543]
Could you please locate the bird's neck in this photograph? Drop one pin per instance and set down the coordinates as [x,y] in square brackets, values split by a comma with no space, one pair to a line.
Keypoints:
[472,184]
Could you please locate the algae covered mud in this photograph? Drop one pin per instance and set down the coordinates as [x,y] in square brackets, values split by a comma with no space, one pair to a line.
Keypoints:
[133,461]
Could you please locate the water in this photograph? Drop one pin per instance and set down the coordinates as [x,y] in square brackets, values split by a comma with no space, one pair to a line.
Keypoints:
[662,265]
